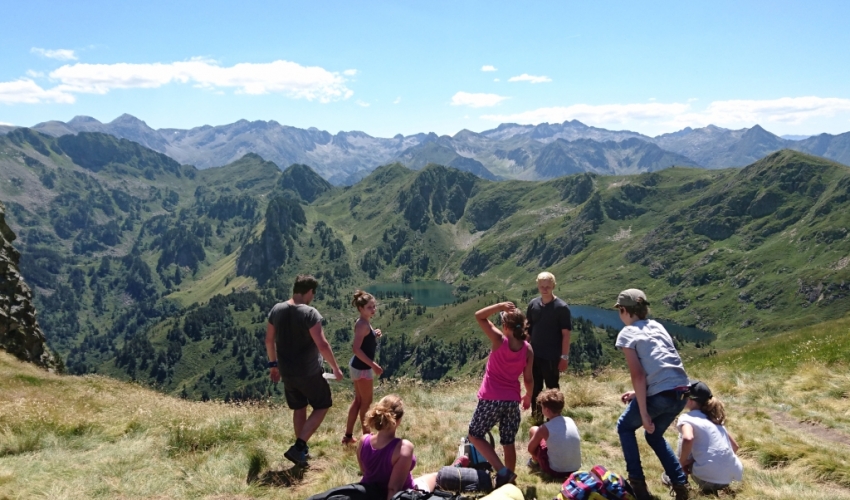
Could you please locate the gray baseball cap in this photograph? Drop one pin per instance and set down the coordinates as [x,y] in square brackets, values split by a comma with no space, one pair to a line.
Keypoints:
[631,297]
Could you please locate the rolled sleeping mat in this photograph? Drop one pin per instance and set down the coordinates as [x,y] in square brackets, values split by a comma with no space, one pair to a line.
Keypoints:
[464,479]
[506,492]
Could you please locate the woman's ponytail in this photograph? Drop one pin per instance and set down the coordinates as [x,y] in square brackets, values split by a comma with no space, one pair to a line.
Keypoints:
[714,410]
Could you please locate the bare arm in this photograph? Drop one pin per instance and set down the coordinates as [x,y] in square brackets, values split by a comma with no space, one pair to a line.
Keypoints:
[359,460]
[487,326]
[271,350]
[687,431]
[732,442]
[565,349]
[542,433]
[401,468]
[318,335]
[528,378]
[639,383]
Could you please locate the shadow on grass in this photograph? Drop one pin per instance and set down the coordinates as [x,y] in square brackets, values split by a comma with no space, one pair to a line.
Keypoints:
[546,478]
[257,461]
[278,478]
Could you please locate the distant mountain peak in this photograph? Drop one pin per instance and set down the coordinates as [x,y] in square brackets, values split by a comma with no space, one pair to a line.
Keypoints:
[82,119]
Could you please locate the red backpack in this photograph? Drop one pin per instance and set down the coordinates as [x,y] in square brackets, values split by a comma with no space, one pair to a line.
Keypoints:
[596,484]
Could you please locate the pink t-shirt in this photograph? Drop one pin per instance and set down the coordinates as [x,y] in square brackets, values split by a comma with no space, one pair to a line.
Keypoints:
[501,377]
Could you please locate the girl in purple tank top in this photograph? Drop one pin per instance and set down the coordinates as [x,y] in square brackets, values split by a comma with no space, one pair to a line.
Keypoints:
[386,460]
[499,395]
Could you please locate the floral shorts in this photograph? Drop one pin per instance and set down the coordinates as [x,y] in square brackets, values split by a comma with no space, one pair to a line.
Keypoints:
[488,413]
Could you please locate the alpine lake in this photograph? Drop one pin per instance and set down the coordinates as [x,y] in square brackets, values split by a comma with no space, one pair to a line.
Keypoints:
[437,293]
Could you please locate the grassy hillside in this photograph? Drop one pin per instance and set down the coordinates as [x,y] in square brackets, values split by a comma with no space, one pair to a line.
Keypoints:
[95,437]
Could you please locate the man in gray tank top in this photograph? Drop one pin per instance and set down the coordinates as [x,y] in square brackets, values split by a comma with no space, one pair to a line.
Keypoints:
[294,341]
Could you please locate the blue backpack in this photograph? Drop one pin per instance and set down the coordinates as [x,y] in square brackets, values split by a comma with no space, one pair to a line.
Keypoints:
[476,459]
[596,484]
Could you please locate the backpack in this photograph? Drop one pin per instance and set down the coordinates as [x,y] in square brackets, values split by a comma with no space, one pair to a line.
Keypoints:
[596,484]
[354,491]
[415,494]
[476,459]
[613,485]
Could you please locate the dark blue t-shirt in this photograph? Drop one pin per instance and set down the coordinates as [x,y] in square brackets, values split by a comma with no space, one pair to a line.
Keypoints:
[546,322]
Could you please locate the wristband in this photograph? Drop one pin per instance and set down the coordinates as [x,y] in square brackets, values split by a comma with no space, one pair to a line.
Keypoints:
[272,364]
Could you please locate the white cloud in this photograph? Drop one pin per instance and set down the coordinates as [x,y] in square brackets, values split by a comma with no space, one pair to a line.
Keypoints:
[525,77]
[673,116]
[496,80]
[397,100]
[60,54]
[476,100]
[349,72]
[786,110]
[362,104]
[34,74]
[488,67]
[6,124]
[26,91]
[279,77]
[606,113]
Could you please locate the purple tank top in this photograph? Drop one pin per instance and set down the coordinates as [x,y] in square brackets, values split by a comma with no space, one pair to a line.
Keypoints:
[501,377]
[378,464]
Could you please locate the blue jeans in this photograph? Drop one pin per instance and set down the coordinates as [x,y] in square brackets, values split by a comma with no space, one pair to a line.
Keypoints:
[662,409]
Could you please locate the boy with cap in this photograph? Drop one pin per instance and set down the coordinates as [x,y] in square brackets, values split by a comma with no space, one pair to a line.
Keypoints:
[660,387]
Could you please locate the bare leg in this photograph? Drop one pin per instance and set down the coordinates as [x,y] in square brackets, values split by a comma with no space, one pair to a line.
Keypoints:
[364,388]
[298,418]
[353,411]
[313,422]
[531,433]
[429,481]
[510,456]
[486,449]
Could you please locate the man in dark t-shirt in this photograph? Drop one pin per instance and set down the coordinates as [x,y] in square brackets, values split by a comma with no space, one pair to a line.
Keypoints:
[295,344]
[550,325]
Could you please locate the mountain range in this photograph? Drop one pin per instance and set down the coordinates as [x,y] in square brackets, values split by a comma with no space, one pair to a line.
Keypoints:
[510,151]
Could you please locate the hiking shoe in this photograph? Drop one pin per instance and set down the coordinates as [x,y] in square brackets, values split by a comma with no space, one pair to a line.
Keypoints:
[503,479]
[296,456]
[532,464]
[680,491]
[665,479]
[639,489]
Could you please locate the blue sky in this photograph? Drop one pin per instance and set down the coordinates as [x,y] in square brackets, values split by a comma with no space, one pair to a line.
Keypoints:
[406,67]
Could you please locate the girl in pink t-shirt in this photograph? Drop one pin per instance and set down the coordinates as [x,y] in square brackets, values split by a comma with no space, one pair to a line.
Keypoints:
[499,395]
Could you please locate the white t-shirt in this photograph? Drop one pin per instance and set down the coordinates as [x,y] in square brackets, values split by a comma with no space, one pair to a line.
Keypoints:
[714,460]
[563,444]
[657,354]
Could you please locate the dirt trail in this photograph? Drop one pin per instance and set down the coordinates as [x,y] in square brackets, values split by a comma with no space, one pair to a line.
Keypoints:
[811,428]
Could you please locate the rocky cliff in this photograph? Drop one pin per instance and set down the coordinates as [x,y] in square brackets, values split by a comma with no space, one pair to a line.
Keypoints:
[19,331]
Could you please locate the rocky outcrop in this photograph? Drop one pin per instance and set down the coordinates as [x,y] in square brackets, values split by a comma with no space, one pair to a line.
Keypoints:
[20,334]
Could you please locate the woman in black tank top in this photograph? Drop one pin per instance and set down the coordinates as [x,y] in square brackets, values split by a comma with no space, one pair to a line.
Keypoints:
[362,364]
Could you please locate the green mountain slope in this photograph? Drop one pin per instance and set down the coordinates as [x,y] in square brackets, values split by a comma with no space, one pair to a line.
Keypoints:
[148,270]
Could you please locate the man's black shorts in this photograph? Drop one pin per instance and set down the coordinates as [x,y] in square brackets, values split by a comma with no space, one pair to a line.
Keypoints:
[312,389]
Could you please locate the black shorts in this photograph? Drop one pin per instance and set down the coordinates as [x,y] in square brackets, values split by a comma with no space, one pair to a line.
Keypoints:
[312,389]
